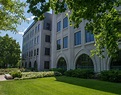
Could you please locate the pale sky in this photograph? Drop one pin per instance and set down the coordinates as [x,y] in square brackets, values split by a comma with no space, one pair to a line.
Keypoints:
[18,36]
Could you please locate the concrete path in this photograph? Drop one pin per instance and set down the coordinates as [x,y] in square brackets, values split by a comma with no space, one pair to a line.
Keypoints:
[2,78]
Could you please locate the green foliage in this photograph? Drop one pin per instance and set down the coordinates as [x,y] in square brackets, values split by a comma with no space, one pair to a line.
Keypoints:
[80,73]
[61,70]
[103,19]
[9,52]
[8,70]
[16,74]
[11,14]
[111,75]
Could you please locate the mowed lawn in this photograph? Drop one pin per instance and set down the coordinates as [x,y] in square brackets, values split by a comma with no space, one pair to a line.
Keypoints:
[59,86]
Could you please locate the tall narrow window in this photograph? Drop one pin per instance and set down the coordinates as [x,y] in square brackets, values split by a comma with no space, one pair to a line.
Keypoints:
[37,51]
[89,36]
[77,38]
[47,51]
[65,22]
[46,65]
[59,26]
[37,39]
[58,44]
[38,27]
[65,42]
[47,38]
[34,52]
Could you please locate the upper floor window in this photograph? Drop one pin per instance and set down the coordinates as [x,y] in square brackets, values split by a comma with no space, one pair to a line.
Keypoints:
[89,36]
[58,44]
[37,39]
[37,51]
[47,51]
[77,38]
[47,38]
[48,26]
[34,52]
[65,22]
[38,27]
[34,40]
[59,26]
[65,42]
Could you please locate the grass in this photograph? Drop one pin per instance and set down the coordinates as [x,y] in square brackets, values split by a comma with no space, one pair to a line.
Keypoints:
[59,86]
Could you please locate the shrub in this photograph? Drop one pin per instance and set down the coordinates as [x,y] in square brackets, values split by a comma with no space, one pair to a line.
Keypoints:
[16,74]
[33,75]
[111,75]
[61,70]
[80,73]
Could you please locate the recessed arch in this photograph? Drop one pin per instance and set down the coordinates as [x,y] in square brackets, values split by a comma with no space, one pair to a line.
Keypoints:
[84,62]
[61,63]
[116,62]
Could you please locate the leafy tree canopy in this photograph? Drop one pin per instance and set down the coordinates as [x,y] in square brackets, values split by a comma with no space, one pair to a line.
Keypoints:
[11,14]
[104,20]
[9,51]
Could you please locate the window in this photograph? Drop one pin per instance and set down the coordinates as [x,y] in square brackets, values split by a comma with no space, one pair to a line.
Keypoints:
[59,26]
[34,52]
[58,44]
[35,29]
[89,36]
[48,26]
[37,39]
[34,40]
[65,22]
[37,51]
[38,27]
[31,53]
[46,65]
[77,38]
[47,38]
[47,51]
[65,42]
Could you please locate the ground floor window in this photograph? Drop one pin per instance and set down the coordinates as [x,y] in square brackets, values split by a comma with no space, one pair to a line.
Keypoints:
[46,65]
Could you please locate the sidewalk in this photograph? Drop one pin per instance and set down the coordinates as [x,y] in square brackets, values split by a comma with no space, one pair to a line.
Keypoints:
[2,78]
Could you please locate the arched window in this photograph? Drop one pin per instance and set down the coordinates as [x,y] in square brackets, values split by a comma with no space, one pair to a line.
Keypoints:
[116,62]
[84,62]
[62,63]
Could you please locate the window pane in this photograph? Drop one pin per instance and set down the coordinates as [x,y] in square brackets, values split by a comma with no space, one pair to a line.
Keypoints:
[58,44]
[65,22]
[59,26]
[46,65]
[77,38]
[89,36]
[65,42]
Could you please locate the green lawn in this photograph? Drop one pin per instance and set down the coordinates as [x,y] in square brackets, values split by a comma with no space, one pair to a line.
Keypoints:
[59,86]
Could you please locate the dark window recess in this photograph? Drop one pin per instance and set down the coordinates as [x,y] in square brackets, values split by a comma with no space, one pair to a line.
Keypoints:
[77,38]
[47,51]
[47,38]
[89,36]
[58,44]
[37,51]
[65,42]
[48,26]
[34,52]
[46,65]
[59,26]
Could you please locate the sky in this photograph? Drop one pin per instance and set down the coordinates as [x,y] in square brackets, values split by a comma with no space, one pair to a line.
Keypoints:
[21,28]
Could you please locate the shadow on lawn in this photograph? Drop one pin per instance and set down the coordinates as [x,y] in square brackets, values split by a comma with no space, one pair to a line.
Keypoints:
[92,84]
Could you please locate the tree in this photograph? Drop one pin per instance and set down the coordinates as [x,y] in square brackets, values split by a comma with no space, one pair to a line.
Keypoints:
[9,52]
[11,14]
[104,20]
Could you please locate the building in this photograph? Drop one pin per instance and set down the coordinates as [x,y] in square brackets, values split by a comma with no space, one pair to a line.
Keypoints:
[36,44]
[71,47]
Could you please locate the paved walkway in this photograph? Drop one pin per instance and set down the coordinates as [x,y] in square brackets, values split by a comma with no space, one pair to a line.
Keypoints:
[2,78]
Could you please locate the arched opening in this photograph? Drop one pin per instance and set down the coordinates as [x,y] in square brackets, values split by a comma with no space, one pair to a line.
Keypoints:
[29,64]
[116,62]
[84,62]
[35,65]
[62,63]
